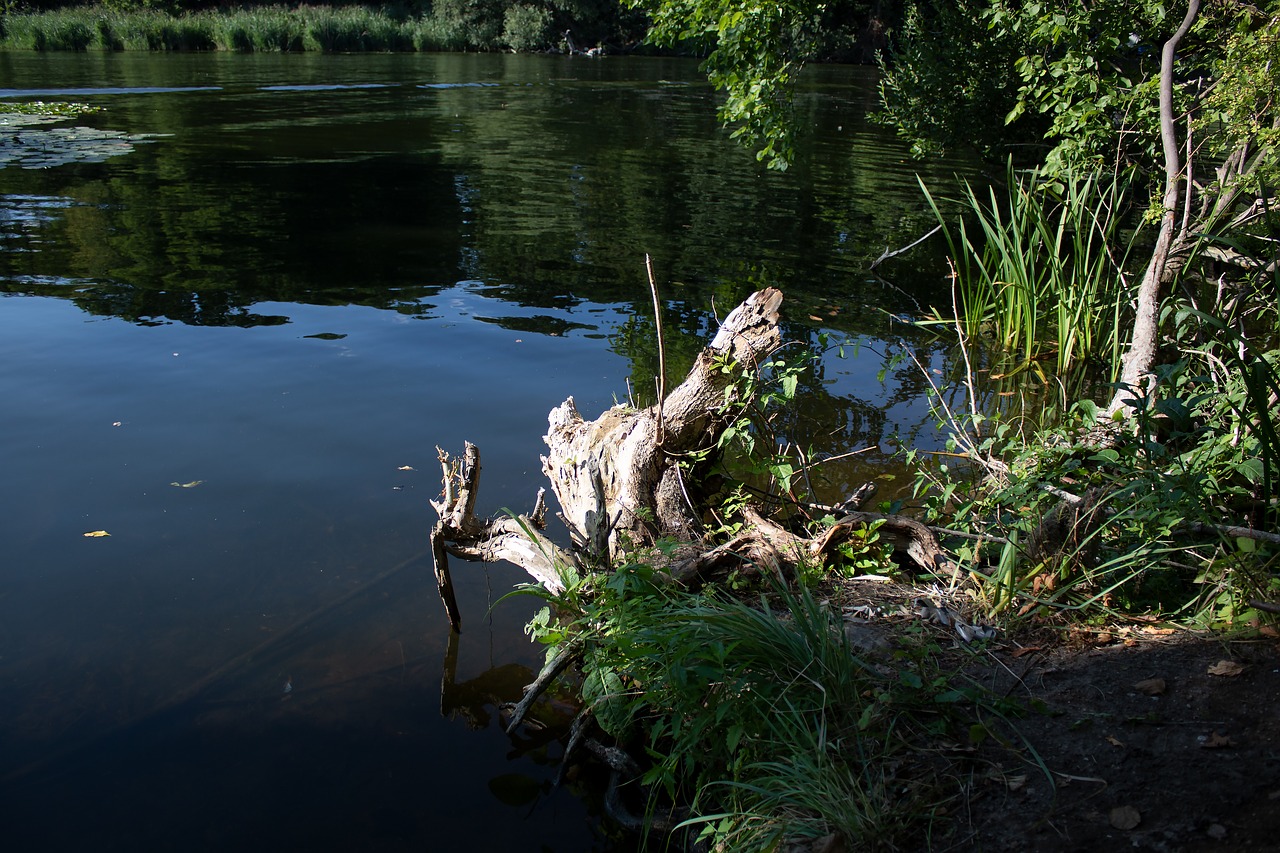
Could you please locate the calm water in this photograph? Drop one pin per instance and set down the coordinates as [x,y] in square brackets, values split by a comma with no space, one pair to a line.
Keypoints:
[235,349]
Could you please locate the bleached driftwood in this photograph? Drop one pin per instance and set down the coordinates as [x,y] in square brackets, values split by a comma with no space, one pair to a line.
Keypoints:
[620,484]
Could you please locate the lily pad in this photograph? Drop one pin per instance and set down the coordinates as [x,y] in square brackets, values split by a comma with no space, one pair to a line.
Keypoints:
[26,142]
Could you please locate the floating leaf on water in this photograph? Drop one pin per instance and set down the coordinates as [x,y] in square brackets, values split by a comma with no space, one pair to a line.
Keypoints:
[97,534]
[29,146]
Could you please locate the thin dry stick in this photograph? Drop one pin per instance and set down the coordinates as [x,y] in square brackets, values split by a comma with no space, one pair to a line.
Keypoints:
[964,350]
[887,254]
[554,667]
[662,350]
[951,418]
[837,458]
[1186,202]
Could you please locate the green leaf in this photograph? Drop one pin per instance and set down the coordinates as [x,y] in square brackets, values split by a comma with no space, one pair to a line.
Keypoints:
[789,383]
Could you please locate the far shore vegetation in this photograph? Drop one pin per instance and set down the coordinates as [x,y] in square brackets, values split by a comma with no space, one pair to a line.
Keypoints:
[277,29]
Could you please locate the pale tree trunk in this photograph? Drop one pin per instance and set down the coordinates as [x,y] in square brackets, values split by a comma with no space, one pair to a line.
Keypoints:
[1136,365]
[621,487]
[617,478]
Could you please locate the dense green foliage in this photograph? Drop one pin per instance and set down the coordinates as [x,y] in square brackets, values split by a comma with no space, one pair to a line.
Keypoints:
[946,76]
[1052,268]
[1046,268]
[1139,526]
[1171,515]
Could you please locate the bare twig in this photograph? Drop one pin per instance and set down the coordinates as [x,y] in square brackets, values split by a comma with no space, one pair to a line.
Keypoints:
[1231,530]
[887,254]
[964,350]
[554,667]
[444,581]
[662,350]
[975,537]
[1062,494]
[838,457]
[576,732]
[963,439]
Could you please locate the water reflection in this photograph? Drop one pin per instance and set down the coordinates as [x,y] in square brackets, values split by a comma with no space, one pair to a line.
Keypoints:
[290,297]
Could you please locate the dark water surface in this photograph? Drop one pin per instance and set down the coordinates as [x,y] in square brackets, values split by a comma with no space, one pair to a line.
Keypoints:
[234,348]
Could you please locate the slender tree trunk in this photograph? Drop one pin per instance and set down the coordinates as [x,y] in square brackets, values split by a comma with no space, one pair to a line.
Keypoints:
[1136,366]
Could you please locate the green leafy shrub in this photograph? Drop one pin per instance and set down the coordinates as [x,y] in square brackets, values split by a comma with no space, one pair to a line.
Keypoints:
[477,23]
[1139,525]
[526,28]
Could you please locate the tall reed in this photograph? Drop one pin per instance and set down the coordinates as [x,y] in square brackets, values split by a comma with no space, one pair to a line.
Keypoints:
[353,28]
[265,29]
[57,29]
[1043,269]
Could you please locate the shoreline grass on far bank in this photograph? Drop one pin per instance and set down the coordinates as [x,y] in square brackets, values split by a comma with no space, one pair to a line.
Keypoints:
[278,29]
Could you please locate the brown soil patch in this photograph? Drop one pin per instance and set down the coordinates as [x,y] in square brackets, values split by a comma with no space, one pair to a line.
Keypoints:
[1136,746]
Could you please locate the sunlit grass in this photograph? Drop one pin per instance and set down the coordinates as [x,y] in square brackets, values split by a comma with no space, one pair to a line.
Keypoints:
[1041,270]
[760,717]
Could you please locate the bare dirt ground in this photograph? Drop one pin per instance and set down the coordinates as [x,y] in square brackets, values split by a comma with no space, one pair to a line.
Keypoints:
[1146,739]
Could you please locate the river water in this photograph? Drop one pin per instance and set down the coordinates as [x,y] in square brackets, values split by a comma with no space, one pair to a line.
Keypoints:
[233,343]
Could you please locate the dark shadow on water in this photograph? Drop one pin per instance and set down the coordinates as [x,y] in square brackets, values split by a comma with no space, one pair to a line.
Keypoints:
[348,750]
[185,782]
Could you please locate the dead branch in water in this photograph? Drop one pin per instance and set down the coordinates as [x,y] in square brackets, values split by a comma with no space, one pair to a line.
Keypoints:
[619,483]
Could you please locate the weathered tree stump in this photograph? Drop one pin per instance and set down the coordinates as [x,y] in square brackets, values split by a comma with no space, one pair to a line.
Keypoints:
[620,485]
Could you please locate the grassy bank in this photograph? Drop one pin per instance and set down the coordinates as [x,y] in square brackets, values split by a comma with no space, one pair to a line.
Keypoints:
[327,29]
[761,723]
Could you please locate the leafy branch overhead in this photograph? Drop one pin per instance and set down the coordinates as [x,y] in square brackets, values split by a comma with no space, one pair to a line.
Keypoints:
[754,52]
